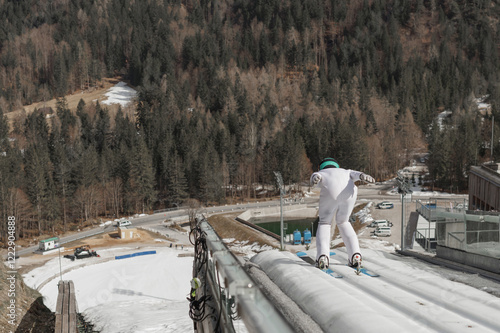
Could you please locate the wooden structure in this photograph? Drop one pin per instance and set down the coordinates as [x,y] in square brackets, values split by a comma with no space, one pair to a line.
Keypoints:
[484,187]
[66,309]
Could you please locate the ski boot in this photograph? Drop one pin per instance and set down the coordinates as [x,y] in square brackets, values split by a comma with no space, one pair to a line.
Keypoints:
[323,262]
[355,262]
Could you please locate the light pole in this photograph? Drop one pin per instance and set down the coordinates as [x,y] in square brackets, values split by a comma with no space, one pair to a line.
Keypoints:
[279,180]
[403,189]
[60,267]
[492,129]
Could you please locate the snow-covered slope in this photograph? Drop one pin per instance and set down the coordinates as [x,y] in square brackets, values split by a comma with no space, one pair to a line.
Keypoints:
[139,294]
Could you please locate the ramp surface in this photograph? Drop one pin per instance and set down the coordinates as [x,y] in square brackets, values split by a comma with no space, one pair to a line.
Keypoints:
[404,298]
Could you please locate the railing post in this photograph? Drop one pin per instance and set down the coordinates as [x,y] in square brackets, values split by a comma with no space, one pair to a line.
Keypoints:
[279,180]
[403,189]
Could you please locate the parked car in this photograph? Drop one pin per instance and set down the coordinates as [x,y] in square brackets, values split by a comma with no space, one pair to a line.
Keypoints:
[382,231]
[380,223]
[385,205]
[123,223]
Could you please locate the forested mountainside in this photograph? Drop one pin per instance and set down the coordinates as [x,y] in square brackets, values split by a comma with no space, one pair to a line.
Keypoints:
[230,91]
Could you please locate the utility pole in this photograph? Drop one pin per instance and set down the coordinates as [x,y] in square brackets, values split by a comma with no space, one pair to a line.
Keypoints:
[279,180]
[492,128]
[403,189]
[60,267]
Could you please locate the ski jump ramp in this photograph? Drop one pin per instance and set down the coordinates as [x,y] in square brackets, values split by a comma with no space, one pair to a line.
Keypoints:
[403,298]
[406,295]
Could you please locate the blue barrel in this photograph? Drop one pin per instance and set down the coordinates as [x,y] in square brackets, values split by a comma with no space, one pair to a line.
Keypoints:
[297,237]
[307,236]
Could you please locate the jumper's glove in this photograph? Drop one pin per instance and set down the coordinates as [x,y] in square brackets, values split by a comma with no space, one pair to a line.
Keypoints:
[366,178]
[316,179]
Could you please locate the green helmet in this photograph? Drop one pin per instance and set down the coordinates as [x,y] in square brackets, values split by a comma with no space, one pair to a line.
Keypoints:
[328,163]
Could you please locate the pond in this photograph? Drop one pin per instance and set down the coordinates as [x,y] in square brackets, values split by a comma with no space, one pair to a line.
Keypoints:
[291,223]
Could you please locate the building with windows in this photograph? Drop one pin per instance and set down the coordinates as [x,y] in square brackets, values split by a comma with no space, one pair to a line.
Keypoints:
[48,244]
[469,237]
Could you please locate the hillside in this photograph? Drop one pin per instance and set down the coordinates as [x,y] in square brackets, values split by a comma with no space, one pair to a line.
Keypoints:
[230,91]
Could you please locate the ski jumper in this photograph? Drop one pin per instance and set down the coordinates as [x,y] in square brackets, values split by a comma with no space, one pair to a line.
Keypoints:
[336,200]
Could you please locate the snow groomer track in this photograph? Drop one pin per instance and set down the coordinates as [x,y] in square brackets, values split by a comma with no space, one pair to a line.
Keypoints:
[407,296]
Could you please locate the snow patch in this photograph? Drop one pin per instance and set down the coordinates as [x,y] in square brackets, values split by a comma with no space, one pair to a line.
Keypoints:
[120,93]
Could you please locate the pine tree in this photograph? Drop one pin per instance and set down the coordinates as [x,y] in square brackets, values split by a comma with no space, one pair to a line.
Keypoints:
[176,181]
[86,127]
[102,127]
[62,159]
[67,119]
[265,50]
[37,170]
[142,175]
[60,75]
[350,149]
[210,177]
[4,132]
[85,176]
[36,128]
[124,131]
[12,202]
[435,162]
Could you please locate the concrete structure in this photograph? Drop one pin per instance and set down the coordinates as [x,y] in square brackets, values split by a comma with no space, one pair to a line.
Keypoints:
[291,210]
[126,233]
[44,253]
[297,211]
[489,264]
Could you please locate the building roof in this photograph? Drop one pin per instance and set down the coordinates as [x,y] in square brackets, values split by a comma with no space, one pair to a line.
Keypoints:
[487,173]
[50,240]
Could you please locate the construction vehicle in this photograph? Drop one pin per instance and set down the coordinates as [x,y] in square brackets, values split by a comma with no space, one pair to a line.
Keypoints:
[81,252]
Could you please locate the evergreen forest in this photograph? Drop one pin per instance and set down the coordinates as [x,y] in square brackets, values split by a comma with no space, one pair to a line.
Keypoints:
[230,91]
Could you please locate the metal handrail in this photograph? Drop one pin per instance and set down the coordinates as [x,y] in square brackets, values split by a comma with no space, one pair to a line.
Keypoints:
[427,240]
[257,312]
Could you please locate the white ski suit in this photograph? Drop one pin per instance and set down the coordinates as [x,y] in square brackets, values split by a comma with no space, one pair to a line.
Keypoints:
[337,198]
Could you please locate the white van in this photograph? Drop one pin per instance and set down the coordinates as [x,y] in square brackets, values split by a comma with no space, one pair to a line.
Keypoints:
[385,205]
[123,223]
[379,223]
[382,231]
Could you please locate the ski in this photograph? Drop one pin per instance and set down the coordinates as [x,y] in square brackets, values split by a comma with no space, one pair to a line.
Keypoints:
[361,270]
[304,256]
